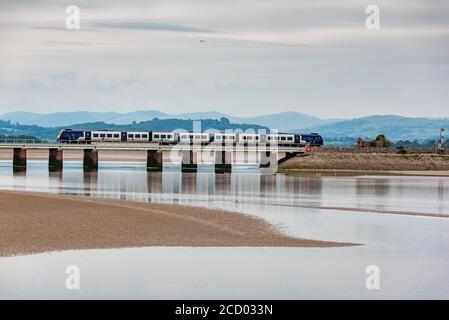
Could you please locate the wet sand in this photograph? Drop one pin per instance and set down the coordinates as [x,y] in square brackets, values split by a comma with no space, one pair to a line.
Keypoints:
[34,223]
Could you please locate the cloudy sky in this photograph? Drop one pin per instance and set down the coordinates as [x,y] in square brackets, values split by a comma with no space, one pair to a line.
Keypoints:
[257,57]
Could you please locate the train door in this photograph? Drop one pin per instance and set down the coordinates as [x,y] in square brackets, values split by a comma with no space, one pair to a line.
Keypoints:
[124,136]
[297,139]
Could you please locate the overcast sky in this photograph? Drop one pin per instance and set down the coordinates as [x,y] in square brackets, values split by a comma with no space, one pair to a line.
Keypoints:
[258,57]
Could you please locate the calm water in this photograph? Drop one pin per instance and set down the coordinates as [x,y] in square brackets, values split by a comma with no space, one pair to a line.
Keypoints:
[412,252]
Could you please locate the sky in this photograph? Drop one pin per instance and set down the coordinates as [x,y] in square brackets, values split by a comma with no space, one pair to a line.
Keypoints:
[244,58]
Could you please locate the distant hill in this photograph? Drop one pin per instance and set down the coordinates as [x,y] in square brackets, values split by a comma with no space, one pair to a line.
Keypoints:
[171,124]
[8,128]
[284,121]
[137,116]
[394,127]
[57,119]
[203,115]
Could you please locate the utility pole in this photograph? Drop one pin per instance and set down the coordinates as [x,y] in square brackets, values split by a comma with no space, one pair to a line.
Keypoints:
[441,142]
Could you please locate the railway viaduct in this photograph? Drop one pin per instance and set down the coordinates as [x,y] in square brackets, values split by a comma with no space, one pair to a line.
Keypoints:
[188,156]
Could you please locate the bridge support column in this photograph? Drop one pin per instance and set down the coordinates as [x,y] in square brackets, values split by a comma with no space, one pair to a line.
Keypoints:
[154,160]
[223,162]
[189,161]
[284,156]
[90,160]
[19,159]
[55,159]
[265,159]
[269,162]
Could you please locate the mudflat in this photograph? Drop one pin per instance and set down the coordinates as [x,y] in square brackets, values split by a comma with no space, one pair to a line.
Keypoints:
[34,223]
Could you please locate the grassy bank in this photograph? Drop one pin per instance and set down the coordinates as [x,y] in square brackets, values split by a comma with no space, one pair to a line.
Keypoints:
[351,160]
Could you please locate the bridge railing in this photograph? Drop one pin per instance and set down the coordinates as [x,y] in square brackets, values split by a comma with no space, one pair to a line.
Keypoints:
[25,141]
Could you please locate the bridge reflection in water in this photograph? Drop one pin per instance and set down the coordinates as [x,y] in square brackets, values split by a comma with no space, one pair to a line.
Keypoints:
[172,186]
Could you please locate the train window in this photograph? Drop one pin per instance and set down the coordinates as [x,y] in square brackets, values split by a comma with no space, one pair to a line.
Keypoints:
[257,138]
[163,136]
[95,135]
[116,135]
[169,136]
[157,136]
[218,137]
[144,136]
[283,138]
[109,135]
[102,135]
[204,137]
[197,137]
[184,136]
[131,136]
[137,136]
[290,138]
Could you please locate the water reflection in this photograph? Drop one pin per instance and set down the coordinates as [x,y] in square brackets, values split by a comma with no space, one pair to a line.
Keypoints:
[416,194]
[295,203]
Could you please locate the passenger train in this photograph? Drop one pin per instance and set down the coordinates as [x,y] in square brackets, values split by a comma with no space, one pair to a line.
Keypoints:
[175,137]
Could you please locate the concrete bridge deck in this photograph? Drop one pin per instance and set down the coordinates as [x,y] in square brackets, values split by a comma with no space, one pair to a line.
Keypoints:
[152,146]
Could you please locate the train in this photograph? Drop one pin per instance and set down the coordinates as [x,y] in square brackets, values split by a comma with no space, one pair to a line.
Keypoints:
[174,137]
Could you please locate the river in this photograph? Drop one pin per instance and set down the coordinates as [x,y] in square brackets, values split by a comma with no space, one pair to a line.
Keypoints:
[411,252]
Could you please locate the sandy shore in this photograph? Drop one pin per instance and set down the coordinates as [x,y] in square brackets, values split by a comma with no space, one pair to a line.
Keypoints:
[33,223]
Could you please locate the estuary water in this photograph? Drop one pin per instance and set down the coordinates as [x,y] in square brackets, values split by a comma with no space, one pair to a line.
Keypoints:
[411,252]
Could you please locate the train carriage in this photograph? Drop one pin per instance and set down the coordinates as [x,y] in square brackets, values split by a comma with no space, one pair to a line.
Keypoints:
[196,137]
[105,136]
[173,137]
[224,137]
[164,137]
[138,136]
[244,138]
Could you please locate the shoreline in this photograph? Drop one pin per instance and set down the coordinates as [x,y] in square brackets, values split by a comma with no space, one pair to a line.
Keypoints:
[32,223]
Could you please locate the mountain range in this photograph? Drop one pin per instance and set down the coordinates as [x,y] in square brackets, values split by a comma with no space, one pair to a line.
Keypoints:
[285,121]
[9,130]
[393,126]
